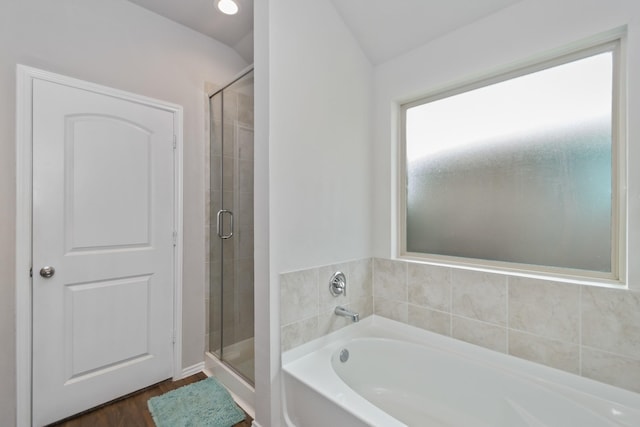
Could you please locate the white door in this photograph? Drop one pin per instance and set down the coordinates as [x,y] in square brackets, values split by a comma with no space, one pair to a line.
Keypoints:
[103,215]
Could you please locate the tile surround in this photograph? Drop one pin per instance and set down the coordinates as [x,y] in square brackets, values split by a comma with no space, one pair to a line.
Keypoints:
[584,330]
[390,279]
[299,296]
[478,295]
[611,321]
[306,306]
[480,333]
[429,286]
[557,354]
[391,309]
[431,320]
[544,308]
[611,369]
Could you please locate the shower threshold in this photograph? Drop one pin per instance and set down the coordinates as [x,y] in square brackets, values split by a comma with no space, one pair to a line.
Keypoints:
[241,391]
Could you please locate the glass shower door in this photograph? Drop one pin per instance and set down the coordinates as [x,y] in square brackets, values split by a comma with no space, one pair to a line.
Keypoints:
[231,227]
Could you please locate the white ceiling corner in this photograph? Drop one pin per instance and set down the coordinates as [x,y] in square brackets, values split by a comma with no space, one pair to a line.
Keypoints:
[386,29]
[204,17]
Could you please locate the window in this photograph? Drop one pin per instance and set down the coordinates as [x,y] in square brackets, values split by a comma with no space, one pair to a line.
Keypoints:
[521,171]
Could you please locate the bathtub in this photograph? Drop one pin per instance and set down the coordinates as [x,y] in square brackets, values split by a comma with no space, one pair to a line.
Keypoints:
[383,373]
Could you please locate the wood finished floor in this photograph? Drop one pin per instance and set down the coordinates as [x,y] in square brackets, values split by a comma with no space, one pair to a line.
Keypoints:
[132,410]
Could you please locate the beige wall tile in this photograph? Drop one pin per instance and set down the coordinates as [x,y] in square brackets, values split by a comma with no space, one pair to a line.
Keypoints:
[429,286]
[611,369]
[394,310]
[244,216]
[390,279]
[545,308]
[245,109]
[360,278]
[611,320]
[298,333]
[363,306]
[244,242]
[228,172]
[480,333]
[431,320]
[557,354]
[245,144]
[329,321]
[479,295]
[215,341]
[298,295]
[246,176]
[207,314]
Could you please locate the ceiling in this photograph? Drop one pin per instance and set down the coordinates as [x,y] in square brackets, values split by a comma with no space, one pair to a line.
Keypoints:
[204,17]
[384,28]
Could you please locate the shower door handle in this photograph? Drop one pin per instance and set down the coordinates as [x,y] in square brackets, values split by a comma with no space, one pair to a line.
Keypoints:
[221,213]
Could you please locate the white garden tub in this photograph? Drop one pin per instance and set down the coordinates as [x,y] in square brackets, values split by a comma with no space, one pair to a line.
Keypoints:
[398,375]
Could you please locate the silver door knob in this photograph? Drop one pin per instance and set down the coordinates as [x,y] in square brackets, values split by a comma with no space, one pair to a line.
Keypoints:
[47,271]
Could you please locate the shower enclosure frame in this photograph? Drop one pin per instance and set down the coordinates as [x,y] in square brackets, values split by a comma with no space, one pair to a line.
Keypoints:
[219,226]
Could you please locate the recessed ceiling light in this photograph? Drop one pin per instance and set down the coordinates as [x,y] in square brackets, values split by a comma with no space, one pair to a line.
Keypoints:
[228,7]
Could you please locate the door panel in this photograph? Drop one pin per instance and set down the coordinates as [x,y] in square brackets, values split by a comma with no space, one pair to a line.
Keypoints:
[103,153]
[117,312]
[103,180]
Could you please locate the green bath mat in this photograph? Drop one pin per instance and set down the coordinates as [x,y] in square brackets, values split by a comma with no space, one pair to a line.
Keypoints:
[205,403]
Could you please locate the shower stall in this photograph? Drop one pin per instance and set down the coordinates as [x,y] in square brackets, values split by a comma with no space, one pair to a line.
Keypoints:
[231,277]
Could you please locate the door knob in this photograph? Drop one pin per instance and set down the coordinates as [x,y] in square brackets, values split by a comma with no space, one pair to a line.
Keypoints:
[47,271]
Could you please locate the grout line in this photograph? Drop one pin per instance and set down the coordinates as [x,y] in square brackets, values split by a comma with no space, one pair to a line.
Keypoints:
[611,353]
[316,271]
[580,330]
[483,322]
[373,287]
[450,301]
[508,279]
[428,308]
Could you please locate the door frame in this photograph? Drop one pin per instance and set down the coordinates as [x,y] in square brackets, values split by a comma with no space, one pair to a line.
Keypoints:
[25,77]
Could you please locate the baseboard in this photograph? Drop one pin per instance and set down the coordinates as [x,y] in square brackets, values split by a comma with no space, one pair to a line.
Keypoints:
[191,370]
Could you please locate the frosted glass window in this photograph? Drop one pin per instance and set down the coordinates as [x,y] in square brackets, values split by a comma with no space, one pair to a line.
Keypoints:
[518,171]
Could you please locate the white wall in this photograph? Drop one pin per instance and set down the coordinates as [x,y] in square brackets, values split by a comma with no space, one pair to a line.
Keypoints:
[319,131]
[519,33]
[319,95]
[317,84]
[118,44]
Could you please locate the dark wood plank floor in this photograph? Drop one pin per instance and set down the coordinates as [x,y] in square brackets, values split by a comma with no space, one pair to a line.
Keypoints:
[131,410]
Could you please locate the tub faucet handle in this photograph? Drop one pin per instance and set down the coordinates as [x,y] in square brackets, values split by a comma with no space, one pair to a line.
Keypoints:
[338,284]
